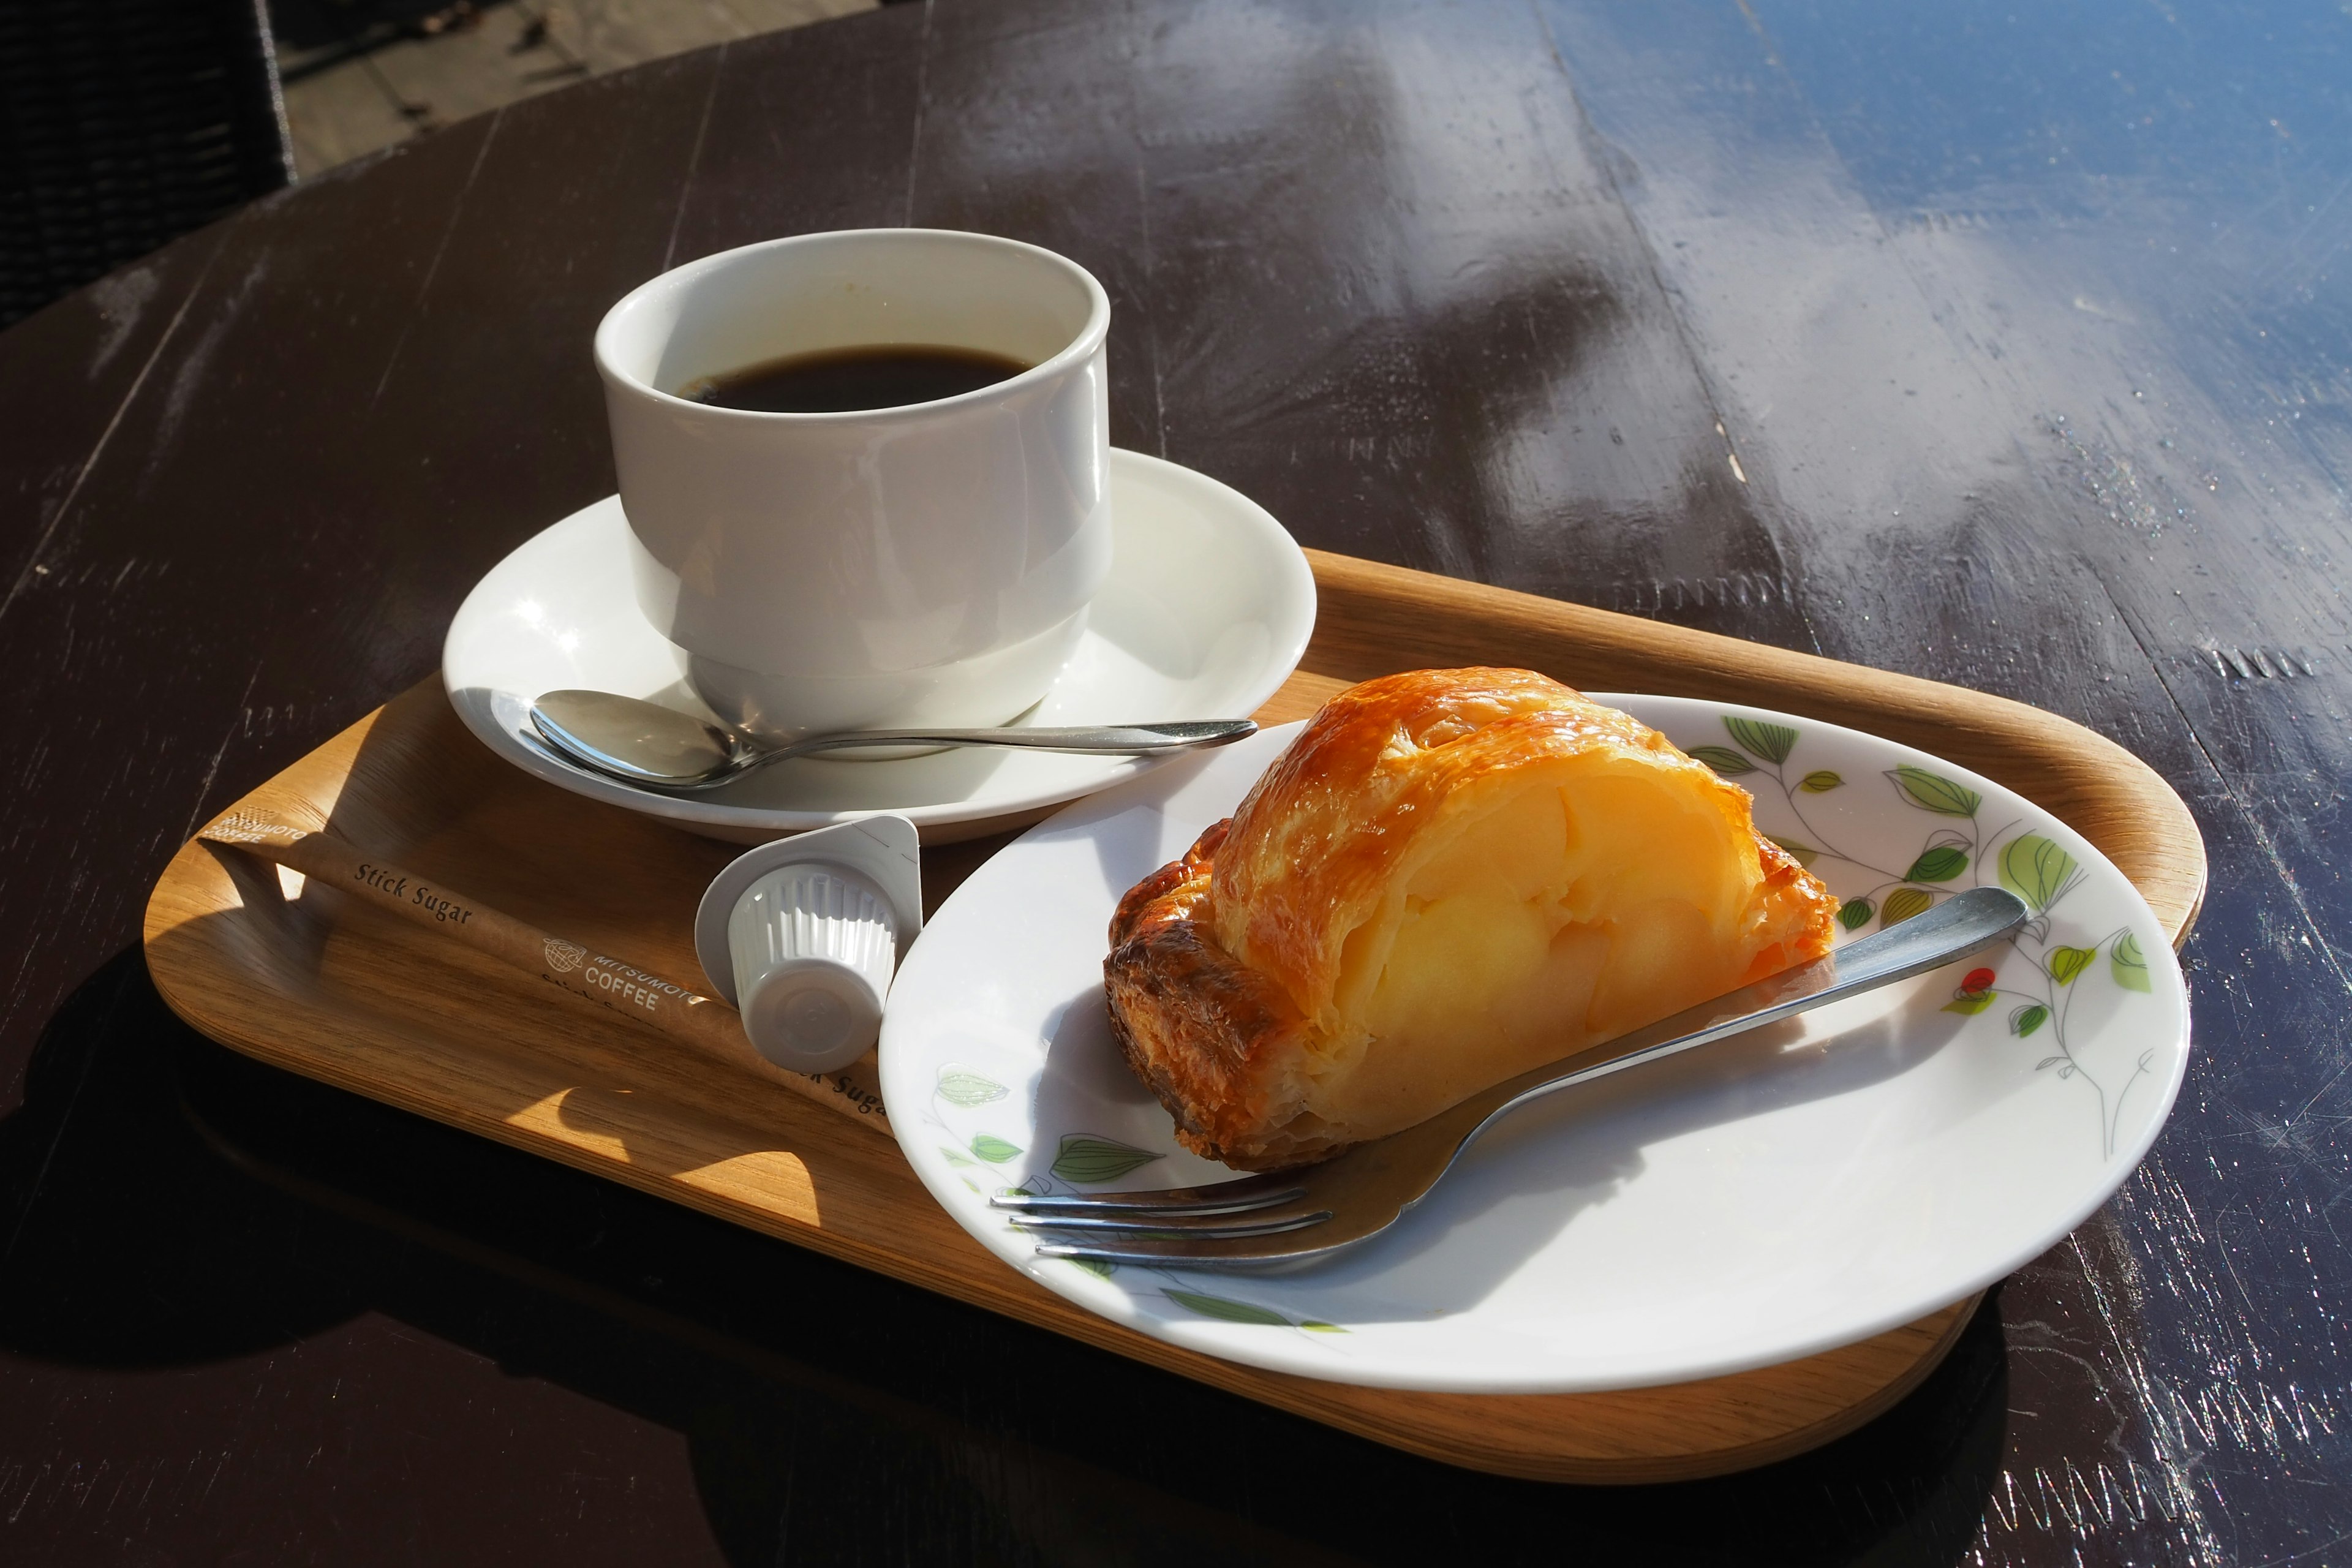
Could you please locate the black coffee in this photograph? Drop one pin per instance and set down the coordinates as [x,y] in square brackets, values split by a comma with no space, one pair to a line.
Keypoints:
[846,381]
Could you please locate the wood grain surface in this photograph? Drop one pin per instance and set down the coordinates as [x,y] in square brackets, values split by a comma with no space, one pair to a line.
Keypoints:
[2000,346]
[325,983]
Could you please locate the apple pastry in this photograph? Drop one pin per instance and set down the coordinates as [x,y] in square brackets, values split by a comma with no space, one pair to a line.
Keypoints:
[1450,876]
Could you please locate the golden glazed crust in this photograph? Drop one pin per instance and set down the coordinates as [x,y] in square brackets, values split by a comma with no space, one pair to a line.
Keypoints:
[1271,986]
[1205,1033]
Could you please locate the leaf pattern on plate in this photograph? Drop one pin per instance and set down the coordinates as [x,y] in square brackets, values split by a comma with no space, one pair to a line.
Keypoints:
[2129,964]
[1226,1310]
[2065,963]
[1937,863]
[1933,792]
[1901,904]
[1725,761]
[1762,736]
[992,1149]
[2036,870]
[1960,853]
[968,1087]
[963,1087]
[1090,1157]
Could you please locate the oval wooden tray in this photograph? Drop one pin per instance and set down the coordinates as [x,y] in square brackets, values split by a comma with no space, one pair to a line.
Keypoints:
[299,977]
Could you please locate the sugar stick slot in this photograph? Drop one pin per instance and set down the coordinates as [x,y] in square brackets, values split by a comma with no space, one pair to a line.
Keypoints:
[702,1023]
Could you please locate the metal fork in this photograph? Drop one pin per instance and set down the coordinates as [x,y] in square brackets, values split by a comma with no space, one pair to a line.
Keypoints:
[1291,1217]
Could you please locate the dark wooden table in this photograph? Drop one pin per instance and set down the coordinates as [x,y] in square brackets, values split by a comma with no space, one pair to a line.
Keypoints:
[2004,346]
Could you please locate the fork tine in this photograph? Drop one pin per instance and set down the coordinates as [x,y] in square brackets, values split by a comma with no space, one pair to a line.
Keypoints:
[1180,1228]
[1237,1239]
[1218,1197]
[1200,1252]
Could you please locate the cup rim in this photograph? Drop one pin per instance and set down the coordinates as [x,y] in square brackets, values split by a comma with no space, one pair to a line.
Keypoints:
[1083,346]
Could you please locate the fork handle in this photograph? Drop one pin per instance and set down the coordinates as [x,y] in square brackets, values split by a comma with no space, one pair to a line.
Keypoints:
[1960,925]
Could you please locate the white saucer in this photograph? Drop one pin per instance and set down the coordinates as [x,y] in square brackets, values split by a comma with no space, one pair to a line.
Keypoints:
[1208,608]
[1768,1198]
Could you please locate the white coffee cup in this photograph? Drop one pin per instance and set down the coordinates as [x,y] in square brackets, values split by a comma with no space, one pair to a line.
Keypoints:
[927,565]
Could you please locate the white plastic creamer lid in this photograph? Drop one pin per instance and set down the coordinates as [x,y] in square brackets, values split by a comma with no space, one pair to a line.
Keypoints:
[783,936]
[883,848]
[813,946]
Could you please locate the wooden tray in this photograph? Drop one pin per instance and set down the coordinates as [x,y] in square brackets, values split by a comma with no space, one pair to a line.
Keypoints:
[301,978]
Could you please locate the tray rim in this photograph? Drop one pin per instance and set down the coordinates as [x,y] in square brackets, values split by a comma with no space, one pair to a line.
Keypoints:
[2152,837]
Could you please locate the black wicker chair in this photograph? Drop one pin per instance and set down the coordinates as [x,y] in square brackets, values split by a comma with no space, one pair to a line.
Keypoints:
[124,124]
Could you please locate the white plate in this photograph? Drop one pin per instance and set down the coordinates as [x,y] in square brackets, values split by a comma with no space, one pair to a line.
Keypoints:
[1207,609]
[1752,1203]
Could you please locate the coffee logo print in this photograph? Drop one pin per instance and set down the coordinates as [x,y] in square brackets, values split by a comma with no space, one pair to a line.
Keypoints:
[563,957]
[243,828]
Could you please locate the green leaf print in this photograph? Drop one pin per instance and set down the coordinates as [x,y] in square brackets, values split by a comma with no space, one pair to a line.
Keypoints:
[1901,904]
[961,1086]
[1100,1268]
[2025,1020]
[1855,913]
[1970,1002]
[1763,738]
[2065,963]
[1088,1157]
[2035,869]
[1803,854]
[1228,1311]
[1933,792]
[1939,864]
[1820,781]
[992,1149]
[954,1156]
[1725,761]
[1313,1327]
[2129,963]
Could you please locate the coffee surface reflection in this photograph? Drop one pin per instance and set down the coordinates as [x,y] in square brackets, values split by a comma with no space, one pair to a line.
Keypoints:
[855,380]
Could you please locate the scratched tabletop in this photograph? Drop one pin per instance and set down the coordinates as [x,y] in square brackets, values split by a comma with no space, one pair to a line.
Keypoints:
[1997,343]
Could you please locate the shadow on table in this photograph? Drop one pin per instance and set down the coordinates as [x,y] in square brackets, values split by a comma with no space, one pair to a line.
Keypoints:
[172,1204]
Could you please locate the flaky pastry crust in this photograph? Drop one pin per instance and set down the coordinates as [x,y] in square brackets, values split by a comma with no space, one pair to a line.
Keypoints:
[1239,980]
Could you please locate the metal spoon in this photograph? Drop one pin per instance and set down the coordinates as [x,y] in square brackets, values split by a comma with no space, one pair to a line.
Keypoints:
[644,743]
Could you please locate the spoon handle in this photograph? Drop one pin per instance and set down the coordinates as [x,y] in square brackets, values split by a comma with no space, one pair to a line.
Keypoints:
[1132,738]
